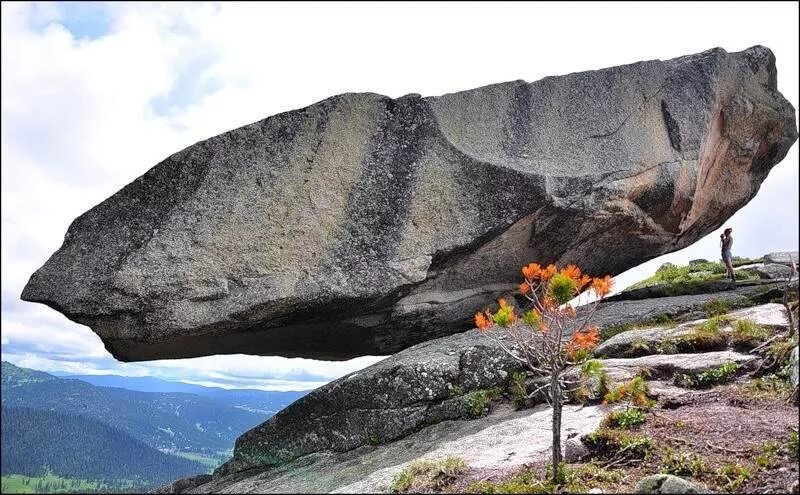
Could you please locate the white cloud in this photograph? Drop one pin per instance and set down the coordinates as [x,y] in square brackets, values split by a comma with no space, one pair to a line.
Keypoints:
[83,115]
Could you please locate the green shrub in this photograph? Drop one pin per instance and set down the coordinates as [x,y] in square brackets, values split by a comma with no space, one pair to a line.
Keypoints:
[716,307]
[401,481]
[769,386]
[635,392]
[426,474]
[478,401]
[517,389]
[732,476]
[792,444]
[562,288]
[714,376]
[691,278]
[707,336]
[747,334]
[682,464]
[625,418]
[606,442]
[524,481]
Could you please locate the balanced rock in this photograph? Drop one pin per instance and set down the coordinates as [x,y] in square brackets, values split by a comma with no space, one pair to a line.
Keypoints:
[364,224]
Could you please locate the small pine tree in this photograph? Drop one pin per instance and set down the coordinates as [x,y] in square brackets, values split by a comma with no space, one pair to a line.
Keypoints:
[549,337]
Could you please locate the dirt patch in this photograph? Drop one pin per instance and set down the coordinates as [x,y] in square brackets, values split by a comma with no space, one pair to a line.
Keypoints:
[730,441]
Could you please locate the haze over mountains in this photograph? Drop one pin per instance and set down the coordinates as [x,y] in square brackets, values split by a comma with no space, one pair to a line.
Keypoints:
[161,428]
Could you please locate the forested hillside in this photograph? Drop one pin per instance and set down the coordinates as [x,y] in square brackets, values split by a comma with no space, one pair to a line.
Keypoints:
[35,441]
[177,422]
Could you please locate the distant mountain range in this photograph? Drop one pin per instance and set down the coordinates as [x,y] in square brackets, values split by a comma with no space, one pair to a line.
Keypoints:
[257,401]
[120,416]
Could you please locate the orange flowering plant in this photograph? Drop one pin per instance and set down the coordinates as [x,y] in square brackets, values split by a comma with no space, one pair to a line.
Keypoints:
[551,334]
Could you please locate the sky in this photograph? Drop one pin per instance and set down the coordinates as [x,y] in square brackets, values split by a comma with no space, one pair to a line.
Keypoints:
[95,94]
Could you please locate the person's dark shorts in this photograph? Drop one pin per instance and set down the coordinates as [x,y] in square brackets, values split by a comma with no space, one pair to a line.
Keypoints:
[726,256]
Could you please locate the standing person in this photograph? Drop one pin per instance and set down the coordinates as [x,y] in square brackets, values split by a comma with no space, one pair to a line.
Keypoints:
[726,240]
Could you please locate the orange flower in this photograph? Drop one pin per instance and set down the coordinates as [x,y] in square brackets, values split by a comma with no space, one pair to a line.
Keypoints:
[572,272]
[602,286]
[482,321]
[548,272]
[584,281]
[524,288]
[531,271]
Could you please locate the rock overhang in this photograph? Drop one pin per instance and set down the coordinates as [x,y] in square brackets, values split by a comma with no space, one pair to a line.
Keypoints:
[363,225]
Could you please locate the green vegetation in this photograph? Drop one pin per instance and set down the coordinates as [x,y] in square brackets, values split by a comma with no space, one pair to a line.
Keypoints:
[82,448]
[715,376]
[792,444]
[625,418]
[517,389]
[562,288]
[747,334]
[570,480]
[682,464]
[427,474]
[717,307]
[771,385]
[606,442]
[768,459]
[374,439]
[478,401]
[50,483]
[659,320]
[691,278]
[733,475]
[707,336]
[211,462]
[635,392]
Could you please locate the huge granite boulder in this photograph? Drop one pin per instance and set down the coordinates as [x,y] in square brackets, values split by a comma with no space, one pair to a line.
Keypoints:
[364,224]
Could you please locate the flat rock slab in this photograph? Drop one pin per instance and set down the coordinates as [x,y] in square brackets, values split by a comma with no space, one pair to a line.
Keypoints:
[683,308]
[362,224]
[783,257]
[655,339]
[767,315]
[503,439]
[774,271]
[662,366]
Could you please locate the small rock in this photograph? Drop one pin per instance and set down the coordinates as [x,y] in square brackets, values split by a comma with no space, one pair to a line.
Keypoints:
[665,483]
[596,490]
[795,359]
[773,270]
[574,450]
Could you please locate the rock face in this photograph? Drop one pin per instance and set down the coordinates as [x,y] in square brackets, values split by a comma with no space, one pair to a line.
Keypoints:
[423,385]
[426,384]
[783,257]
[364,224]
